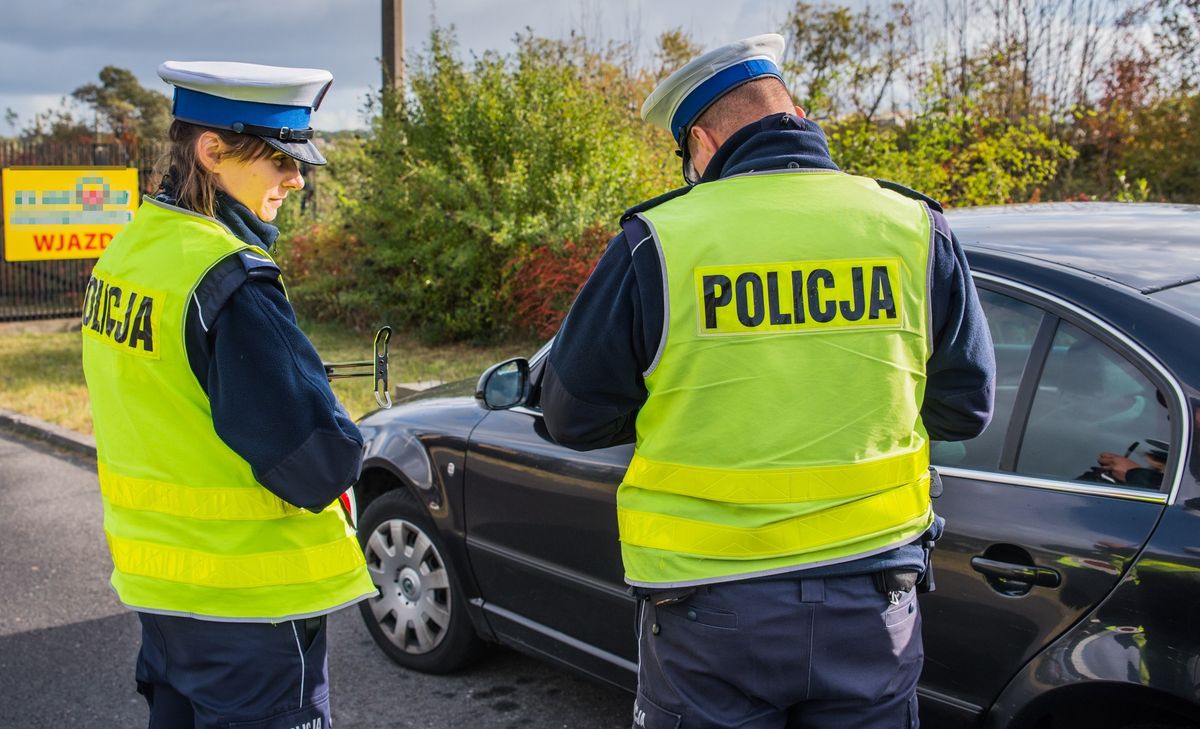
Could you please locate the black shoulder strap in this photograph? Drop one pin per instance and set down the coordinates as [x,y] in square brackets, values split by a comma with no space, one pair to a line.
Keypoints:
[258,266]
[226,277]
[655,202]
[911,193]
[636,232]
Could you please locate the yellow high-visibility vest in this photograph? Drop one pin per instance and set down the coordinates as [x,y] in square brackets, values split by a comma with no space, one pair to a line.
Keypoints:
[190,530]
[782,428]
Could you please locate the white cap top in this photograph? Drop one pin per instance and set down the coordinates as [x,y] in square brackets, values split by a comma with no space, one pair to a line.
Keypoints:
[684,95]
[249,81]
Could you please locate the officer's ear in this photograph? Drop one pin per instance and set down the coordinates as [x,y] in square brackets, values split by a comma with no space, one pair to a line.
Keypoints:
[704,142]
[800,112]
[209,150]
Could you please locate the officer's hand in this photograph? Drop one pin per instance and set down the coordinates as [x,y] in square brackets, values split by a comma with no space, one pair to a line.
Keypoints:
[1117,465]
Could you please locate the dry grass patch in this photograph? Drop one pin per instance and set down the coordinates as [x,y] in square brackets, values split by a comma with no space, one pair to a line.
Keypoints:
[410,361]
[41,373]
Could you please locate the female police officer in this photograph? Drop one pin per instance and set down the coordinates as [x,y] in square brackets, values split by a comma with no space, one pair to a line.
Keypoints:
[220,448]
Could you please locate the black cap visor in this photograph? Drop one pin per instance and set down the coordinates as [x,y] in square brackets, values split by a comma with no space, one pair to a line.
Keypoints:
[303,150]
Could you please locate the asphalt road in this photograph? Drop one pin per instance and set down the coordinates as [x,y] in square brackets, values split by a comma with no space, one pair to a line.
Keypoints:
[67,647]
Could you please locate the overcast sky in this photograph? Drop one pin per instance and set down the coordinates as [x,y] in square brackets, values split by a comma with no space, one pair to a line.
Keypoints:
[50,47]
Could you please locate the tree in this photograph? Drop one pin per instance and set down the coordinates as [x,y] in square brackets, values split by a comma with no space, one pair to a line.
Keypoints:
[1178,36]
[118,108]
[843,62]
[129,111]
[53,125]
[675,48]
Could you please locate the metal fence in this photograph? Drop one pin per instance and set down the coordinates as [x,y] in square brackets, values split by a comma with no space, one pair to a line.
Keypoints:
[50,289]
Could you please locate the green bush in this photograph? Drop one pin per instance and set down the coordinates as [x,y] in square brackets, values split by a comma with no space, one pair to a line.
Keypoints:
[332,193]
[483,163]
[319,250]
[957,158]
[322,265]
[1167,154]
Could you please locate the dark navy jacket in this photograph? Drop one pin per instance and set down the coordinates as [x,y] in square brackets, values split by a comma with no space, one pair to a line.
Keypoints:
[271,402]
[592,386]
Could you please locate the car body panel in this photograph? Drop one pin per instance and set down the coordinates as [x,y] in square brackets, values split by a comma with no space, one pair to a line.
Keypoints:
[1143,634]
[976,637]
[1140,246]
[542,536]
[1185,298]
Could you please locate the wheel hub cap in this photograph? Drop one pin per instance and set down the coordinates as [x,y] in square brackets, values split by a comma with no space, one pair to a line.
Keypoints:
[410,584]
[413,606]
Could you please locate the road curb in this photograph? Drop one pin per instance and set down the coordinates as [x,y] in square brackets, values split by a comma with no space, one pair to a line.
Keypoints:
[55,435]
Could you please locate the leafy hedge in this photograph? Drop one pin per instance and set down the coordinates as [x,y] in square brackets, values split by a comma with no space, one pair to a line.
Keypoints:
[958,158]
[483,195]
[489,166]
[544,281]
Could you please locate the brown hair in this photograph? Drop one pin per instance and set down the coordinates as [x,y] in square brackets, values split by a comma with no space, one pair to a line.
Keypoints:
[746,104]
[191,184]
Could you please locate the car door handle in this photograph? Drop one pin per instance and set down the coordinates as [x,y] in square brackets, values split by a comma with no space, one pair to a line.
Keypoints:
[1040,576]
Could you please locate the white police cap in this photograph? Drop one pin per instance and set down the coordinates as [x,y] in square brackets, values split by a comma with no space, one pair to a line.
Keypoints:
[686,94]
[271,102]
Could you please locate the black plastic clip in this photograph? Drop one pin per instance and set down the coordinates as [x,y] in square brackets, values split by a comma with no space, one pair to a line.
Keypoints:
[935,483]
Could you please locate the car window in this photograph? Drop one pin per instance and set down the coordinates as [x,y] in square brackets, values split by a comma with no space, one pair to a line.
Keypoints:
[1092,401]
[1014,325]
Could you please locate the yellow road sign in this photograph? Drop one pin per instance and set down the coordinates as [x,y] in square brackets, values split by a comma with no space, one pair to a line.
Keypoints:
[65,212]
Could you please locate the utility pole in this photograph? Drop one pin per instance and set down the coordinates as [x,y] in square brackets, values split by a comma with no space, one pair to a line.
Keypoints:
[393,44]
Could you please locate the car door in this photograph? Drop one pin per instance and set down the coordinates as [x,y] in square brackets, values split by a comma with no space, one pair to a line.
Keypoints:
[1035,537]
[542,540]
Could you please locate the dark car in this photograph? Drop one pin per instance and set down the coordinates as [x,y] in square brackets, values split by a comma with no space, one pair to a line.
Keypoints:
[1068,595]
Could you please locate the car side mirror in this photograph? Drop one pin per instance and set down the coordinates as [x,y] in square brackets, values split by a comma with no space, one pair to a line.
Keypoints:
[504,385]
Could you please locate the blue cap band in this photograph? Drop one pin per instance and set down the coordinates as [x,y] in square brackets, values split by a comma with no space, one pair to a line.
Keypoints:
[712,89]
[217,111]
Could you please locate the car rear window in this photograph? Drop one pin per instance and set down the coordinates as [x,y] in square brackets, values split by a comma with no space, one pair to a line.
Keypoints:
[1090,402]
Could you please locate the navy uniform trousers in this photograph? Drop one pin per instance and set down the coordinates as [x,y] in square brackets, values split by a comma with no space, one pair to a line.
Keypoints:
[204,674]
[817,653]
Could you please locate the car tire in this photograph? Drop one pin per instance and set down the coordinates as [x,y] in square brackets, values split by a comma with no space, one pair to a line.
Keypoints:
[419,618]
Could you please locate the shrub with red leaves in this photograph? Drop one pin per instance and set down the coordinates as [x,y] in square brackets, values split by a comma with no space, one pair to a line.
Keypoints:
[543,282]
[320,264]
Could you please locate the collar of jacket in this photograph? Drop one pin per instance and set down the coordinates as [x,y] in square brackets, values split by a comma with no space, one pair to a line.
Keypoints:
[776,142]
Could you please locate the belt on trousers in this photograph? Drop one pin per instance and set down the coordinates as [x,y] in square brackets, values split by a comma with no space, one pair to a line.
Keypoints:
[894,583]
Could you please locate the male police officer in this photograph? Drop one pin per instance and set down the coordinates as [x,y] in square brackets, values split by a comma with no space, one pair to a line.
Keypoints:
[221,449]
[782,339]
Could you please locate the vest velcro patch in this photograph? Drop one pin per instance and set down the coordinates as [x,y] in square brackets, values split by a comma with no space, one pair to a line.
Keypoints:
[122,315]
[795,297]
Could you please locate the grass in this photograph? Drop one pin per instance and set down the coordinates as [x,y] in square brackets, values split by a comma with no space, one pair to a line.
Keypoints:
[409,361]
[41,372]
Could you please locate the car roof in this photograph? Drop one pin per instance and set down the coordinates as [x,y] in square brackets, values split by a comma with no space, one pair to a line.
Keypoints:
[1148,246]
